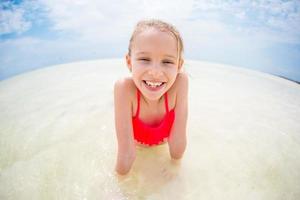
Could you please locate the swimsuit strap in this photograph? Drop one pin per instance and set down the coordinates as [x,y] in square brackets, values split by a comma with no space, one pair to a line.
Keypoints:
[138,107]
[166,102]
[139,97]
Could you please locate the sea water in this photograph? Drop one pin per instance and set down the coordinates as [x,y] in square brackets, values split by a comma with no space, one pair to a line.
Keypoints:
[57,137]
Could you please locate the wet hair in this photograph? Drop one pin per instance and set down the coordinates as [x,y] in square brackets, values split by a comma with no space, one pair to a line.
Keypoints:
[161,26]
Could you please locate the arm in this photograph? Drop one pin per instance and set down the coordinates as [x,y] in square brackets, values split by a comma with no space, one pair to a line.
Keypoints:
[123,125]
[177,139]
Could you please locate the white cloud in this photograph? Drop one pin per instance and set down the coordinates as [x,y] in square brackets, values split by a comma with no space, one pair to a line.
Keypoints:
[13,21]
[272,20]
[114,19]
[99,20]
[19,18]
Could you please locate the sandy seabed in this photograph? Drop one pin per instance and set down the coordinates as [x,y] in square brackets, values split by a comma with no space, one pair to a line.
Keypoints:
[57,138]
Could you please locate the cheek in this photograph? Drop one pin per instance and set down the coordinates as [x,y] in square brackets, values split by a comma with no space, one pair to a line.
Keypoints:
[172,72]
[136,70]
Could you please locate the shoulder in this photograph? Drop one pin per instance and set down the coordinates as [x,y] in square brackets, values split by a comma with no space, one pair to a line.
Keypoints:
[183,78]
[124,84]
[179,91]
[182,82]
[182,90]
[124,88]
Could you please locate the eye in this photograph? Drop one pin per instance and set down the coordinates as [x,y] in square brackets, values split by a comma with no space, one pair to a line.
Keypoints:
[168,62]
[144,59]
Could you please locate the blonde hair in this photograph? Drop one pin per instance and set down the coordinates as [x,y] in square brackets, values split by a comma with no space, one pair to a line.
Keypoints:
[161,26]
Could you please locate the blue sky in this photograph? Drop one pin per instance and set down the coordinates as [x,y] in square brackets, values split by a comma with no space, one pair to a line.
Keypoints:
[260,35]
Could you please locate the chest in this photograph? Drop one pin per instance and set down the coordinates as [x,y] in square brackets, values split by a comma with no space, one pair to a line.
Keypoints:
[153,115]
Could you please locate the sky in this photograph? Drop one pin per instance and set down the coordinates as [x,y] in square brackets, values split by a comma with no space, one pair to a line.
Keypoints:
[259,35]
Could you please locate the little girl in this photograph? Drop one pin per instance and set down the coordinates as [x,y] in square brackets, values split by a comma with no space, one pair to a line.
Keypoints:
[151,106]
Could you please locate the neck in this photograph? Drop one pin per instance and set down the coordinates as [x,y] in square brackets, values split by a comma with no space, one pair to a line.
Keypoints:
[152,103]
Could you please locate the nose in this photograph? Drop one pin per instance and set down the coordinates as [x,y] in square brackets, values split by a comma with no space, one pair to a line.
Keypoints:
[155,70]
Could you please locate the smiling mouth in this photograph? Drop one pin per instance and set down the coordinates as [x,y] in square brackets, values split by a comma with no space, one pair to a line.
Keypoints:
[153,85]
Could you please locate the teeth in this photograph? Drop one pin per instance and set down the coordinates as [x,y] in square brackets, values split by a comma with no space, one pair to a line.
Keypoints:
[153,84]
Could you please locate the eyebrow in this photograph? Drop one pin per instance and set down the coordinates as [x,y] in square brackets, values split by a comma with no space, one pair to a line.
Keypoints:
[170,56]
[142,52]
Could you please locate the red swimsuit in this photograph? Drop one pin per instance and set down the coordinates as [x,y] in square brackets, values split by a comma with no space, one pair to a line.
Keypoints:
[152,134]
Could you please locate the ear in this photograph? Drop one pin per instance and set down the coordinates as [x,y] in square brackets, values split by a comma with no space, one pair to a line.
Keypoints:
[128,62]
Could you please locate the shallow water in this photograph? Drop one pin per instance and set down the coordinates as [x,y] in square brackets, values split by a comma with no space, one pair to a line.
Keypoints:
[57,138]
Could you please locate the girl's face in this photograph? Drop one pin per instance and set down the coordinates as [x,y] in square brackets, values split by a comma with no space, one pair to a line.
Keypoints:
[154,62]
